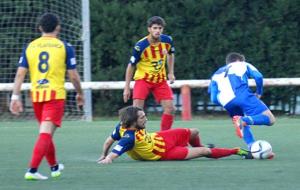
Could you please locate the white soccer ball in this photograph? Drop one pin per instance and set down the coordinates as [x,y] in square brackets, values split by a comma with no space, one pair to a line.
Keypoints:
[261,149]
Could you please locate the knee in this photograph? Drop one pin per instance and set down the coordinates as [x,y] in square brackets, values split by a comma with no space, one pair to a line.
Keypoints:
[272,120]
[194,132]
[170,109]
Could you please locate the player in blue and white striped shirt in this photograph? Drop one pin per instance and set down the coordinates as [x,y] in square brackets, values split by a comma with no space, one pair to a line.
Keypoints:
[229,88]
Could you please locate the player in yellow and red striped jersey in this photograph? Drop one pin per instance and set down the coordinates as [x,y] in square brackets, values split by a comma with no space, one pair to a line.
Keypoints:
[170,144]
[47,59]
[148,65]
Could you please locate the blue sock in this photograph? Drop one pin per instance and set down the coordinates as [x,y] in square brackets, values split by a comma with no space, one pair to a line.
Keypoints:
[260,119]
[248,137]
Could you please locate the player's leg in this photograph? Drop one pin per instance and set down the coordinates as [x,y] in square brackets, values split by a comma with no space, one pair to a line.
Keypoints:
[40,150]
[242,131]
[49,114]
[195,138]
[55,112]
[141,91]
[167,117]
[195,152]
[264,118]
[163,94]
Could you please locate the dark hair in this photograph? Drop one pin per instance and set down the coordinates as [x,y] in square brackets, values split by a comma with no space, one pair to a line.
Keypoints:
[48,22]
[129,115]
[233,56]
[156,20]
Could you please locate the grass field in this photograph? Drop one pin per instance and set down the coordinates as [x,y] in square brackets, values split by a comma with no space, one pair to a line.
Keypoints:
[79,145]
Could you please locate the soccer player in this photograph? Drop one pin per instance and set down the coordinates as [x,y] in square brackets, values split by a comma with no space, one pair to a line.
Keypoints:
[163,145]
[148,64]
[47,59]
[229,88]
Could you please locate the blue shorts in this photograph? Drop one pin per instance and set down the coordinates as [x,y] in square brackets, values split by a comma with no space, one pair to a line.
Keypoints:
[245,104]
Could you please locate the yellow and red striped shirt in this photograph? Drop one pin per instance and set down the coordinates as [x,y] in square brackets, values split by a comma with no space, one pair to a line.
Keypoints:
[47,59]
[138,144]
[150,59]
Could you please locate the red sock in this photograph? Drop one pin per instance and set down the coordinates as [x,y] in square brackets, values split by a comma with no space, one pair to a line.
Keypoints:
[222,152]
[40,149]
[51,156]
[196,142]
[166,121]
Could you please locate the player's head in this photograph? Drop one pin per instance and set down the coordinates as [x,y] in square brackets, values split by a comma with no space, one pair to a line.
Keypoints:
[156,20]
[132,116]
[233,57]
[49,23]
[156,26]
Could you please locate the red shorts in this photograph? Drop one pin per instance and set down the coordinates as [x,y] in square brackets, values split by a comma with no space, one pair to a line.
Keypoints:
[52,110]
[161,91]
[176,142]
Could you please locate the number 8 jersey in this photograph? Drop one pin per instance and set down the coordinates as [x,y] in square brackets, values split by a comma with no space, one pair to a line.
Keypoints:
[47,59]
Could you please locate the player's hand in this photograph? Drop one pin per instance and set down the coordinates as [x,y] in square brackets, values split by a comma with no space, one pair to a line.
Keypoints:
[171,78]
[16,107]
[102,157]
[80,101]
[107,160]
[126,94]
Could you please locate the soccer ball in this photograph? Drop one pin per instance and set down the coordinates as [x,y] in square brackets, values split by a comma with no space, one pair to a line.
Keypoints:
[261,149]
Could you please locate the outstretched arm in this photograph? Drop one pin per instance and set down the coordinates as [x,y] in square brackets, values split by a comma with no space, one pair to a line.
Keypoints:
[104,157]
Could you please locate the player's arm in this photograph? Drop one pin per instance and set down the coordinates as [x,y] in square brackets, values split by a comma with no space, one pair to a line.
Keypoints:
[106,146]
[75,80]
[125,143]
[134,59]
[16,105]
[171,62]
[73,74]
[128,76]
[258,77]
[213,90]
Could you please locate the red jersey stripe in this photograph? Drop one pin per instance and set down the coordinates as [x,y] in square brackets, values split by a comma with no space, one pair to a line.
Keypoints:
[160,51]
[146,77]
[158,78]
[44,95]
[157,152]
[53,95]
[153,52]
[168,46]
[152,78]
[146,53]
[37,96]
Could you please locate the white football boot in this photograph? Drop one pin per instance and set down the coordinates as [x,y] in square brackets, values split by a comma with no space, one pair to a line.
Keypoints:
[57,173]
[34,176]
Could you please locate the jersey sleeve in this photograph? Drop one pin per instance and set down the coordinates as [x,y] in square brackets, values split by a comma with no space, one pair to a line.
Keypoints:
[23,60]
[213,90]
[136,54]
[125,143]
[257,76]
[116,133]
[70,56]
[172,49]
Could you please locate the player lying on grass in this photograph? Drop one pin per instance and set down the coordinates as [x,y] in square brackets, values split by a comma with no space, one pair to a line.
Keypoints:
[163,145]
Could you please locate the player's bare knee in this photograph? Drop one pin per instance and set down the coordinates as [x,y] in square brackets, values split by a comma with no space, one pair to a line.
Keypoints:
[170,109]
[272,120]
[194,132]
